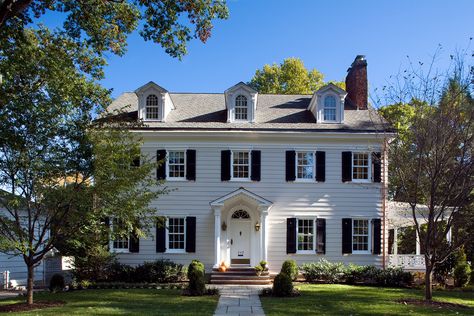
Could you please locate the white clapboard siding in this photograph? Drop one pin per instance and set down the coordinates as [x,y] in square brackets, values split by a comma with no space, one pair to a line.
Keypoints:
[332,199]
[18,272]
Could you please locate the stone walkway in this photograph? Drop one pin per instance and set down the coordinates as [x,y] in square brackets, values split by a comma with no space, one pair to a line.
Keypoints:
[239,300]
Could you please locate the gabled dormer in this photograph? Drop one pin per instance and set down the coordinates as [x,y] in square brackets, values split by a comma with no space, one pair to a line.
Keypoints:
[154,103]
[241,103]
[327,104]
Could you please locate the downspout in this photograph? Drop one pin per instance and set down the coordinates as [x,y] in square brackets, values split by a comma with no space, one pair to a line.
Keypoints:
[384,202]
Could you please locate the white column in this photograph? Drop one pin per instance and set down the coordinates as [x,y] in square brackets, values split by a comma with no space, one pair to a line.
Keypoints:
[263,234]
[417,251]
[449,236]
[217,236]
[395,240]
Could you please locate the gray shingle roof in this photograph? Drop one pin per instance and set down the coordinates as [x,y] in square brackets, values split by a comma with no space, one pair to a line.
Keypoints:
[274,112]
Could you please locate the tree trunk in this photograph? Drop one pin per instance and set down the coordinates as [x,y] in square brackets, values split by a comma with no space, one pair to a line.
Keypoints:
[29,287]
[428,285]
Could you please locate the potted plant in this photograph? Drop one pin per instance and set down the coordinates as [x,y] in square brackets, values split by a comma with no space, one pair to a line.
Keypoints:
[223,267]
[263,264]
[258,270]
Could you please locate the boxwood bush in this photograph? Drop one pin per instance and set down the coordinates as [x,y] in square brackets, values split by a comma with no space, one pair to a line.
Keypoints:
[159,271]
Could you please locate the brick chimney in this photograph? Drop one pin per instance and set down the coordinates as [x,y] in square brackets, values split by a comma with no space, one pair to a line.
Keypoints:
[356,85]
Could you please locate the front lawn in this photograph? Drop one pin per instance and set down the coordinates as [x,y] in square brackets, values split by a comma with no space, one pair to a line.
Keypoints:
[123,302]
[338,299]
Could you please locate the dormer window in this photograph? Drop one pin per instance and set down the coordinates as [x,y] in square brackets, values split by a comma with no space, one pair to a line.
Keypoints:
[329,112]
[241,108]
[152,108]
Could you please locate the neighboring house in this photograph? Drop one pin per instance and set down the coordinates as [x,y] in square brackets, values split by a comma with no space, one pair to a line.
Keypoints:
[264,176]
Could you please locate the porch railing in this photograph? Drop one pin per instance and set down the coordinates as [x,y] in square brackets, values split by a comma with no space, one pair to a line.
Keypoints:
[409,262]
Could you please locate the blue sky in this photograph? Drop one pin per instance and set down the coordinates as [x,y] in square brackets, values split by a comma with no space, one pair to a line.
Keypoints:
[326,35]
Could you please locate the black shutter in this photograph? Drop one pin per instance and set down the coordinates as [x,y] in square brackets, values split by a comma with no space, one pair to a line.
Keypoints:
[290,165]
[136,162]
[291,235]
[377,166]
[190,234]
[346,166]
[346,235]
[161,169]
[134,243]
[191,164]
[107,230]
[376,236]
[320,166]
[256,165]
[321,235]
[225,165]
[160,237]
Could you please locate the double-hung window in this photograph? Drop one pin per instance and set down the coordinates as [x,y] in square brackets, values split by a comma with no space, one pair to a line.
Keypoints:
[305,165]
[119,243]
[329,112]
[176,234]
[360,167]
[360,236]
[240,164]
[176,165]
[241,108]
[306,235]
[152,108]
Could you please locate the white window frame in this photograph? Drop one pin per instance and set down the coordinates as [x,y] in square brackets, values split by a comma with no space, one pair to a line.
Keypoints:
[111,241]
[168,250]
[313,178]
[247,107]
[324,109]
[168,165]
[232,178]
[369,237]
[306,252]
[158,107]
[369,167]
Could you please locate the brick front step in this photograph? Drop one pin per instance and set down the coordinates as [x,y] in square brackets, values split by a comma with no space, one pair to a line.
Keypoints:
[242,282]
[240,275]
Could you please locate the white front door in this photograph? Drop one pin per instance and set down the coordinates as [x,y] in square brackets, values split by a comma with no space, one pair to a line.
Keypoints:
[240,241]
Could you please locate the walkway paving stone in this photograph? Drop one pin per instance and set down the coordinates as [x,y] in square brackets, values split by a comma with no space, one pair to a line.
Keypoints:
[239,300]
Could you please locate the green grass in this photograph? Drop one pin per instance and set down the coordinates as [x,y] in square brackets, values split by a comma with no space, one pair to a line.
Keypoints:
[124,302]
[362,300]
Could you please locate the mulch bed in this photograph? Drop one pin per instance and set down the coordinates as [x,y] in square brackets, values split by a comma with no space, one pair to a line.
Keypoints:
[435,304]
[23,307]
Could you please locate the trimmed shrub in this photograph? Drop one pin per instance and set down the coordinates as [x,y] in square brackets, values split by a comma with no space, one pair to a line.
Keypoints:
[197,282]
[282,285]
[290,268]
[159,271]
[56,284]
[462,274]
[393,277]
[323,271]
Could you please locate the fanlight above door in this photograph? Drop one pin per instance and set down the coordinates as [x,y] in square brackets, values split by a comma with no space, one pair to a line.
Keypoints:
[240,214]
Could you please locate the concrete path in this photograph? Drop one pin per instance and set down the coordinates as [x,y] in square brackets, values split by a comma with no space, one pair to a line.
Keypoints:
[239,300]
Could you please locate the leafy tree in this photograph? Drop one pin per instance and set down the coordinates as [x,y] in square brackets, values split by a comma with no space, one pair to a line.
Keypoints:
[289,77]
[433,158]
[64,174]
[104,25]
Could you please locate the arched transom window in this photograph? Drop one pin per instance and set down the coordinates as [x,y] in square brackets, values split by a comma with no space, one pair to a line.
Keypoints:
[240,214]
[152,107]
[329,108]
[241,109]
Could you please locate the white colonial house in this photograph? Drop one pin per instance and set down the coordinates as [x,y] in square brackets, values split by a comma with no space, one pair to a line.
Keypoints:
[264,176]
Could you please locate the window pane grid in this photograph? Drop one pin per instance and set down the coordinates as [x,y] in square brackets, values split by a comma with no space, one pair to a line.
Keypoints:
[240,164]
[360,166]
[305,234]
[152,107]
[305,165]
[119,242]
[360,235]
[176,164]
[176,233]
[241,110]
[330,108]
